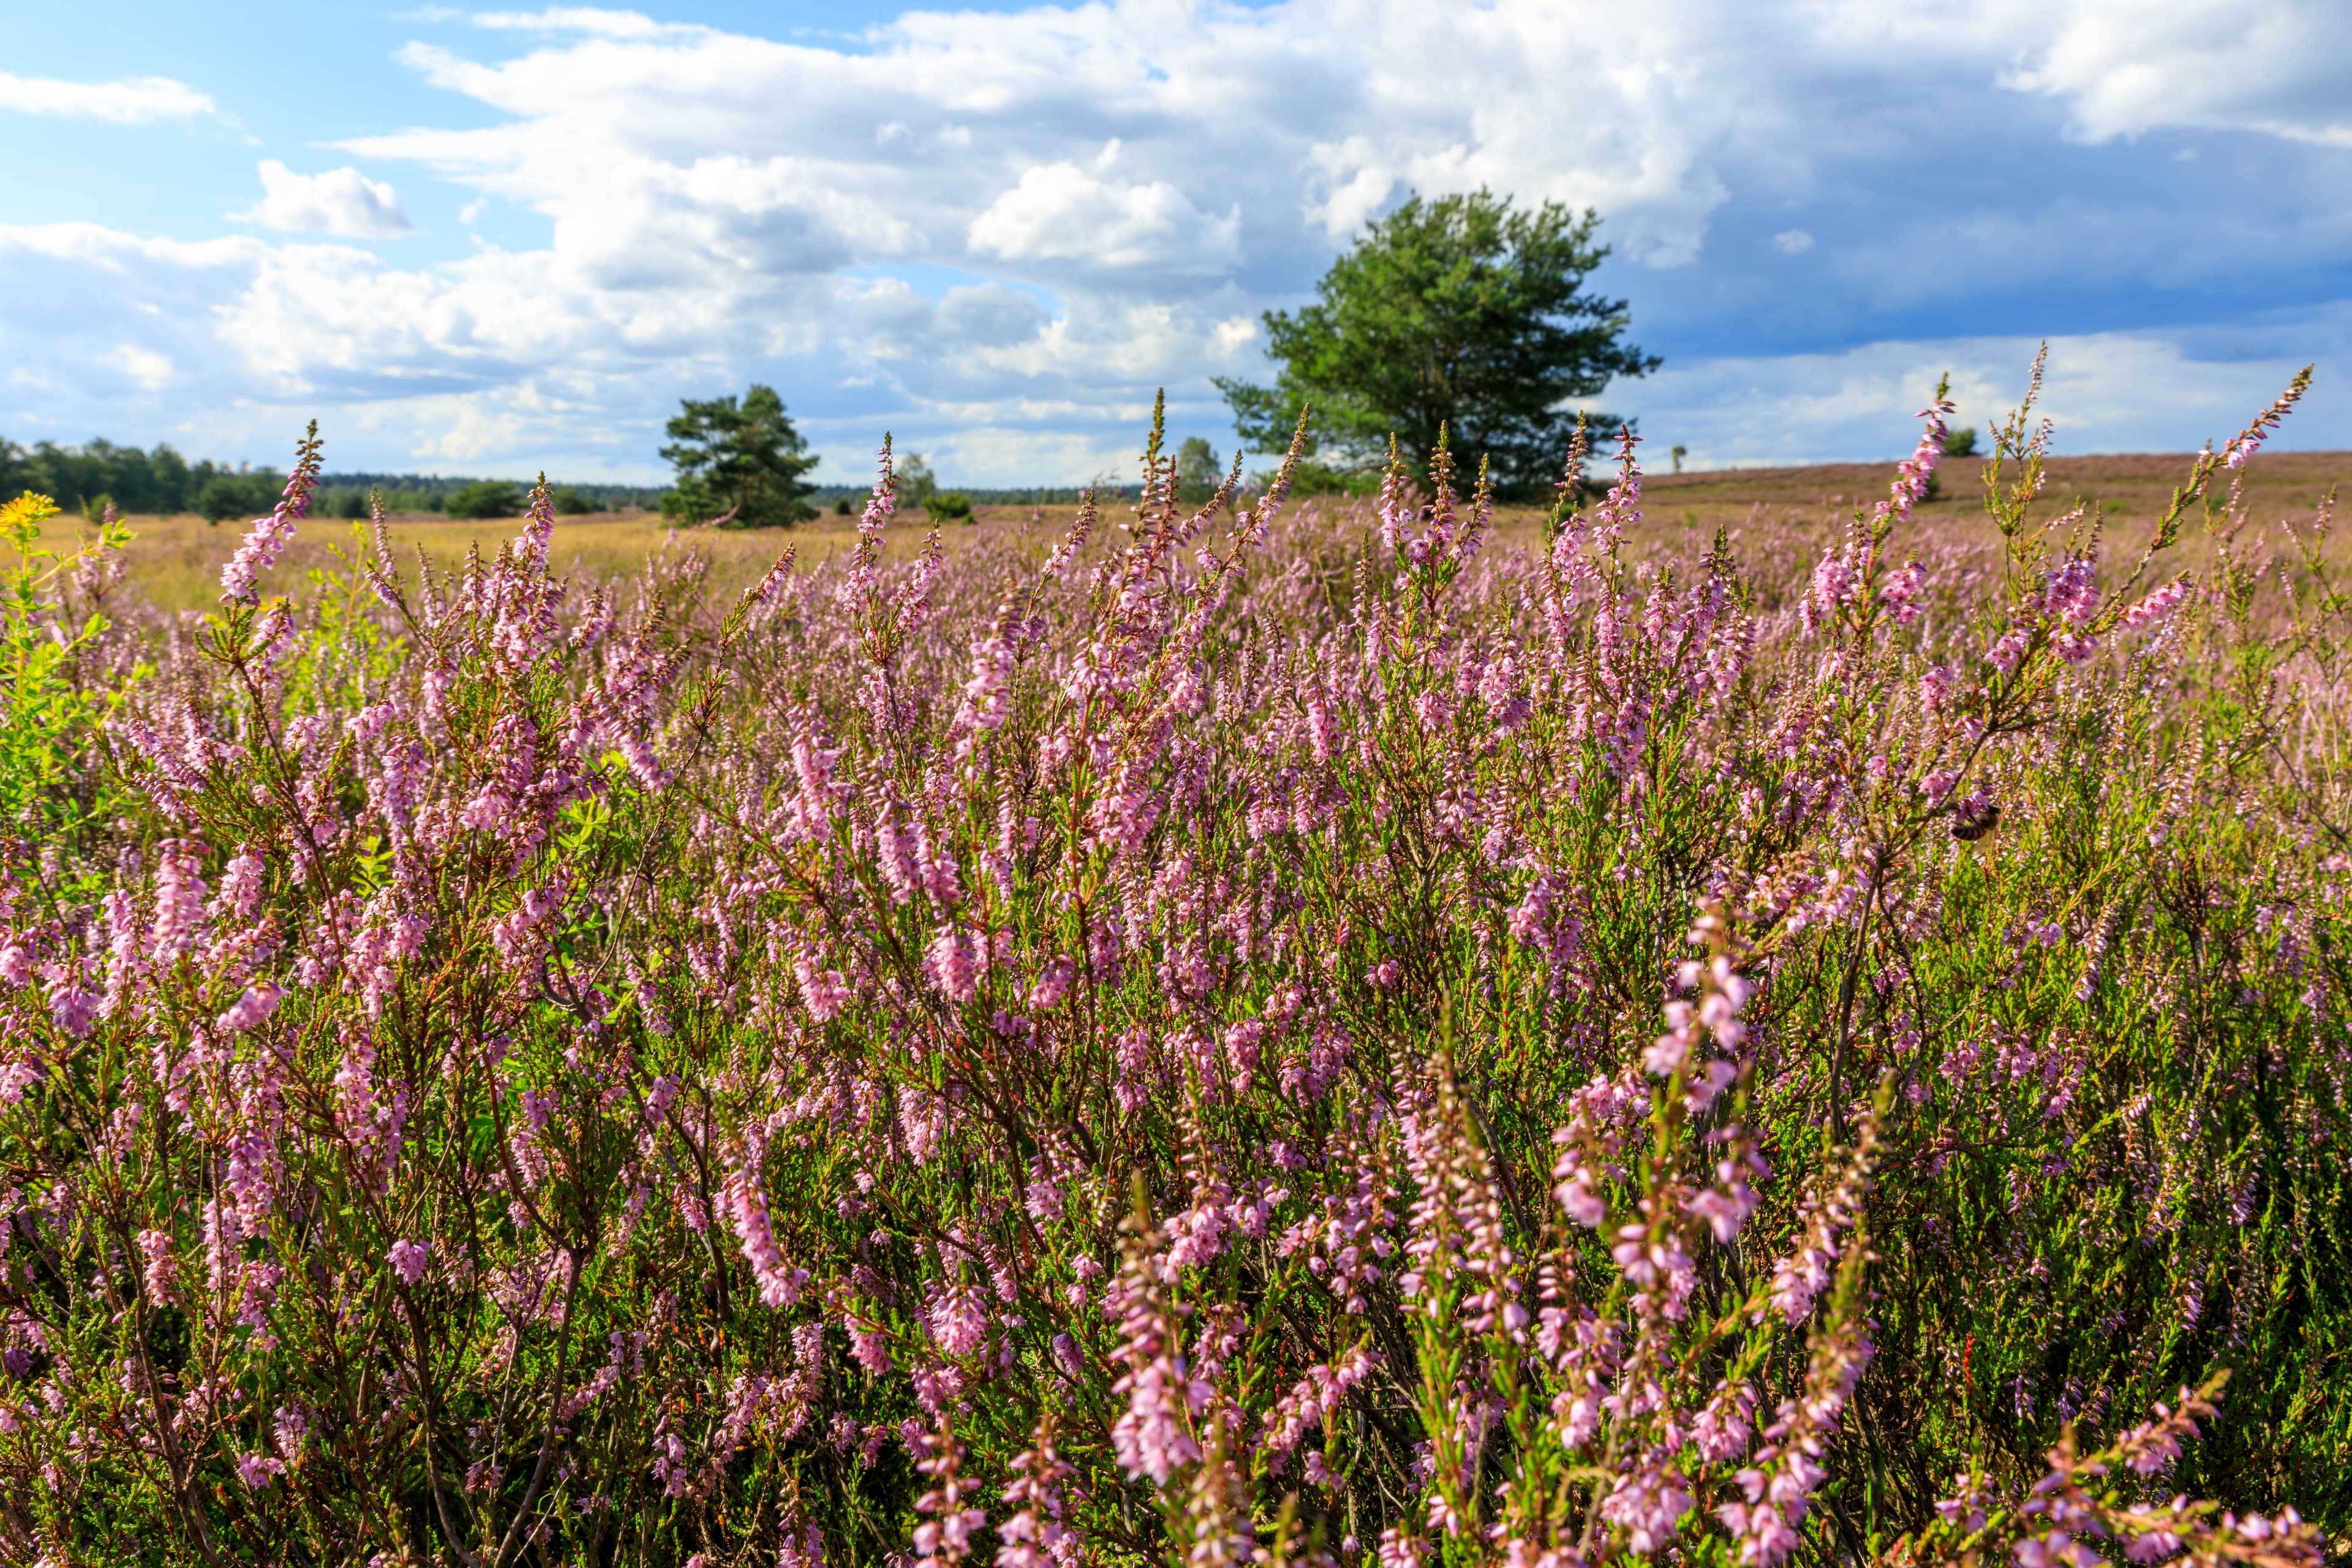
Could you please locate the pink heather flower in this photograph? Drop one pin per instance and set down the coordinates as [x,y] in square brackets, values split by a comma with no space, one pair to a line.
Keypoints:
[409,1258]
[269,535]
[954,964]
[944,1537]
[1831,586]
[1041,1493]
[1939,784]
[1054,983]
[2070,591]
[1902,592]
[2005,653]
[1241,1042]
[1153,1436]
[258,1001]
[240,888]
[179,902]
[1400,1550]
[1648,1502]
[2159,603]
[957,1318]
[258,1471]
[1726,1204]
[155,1247]
[746,1208]
[1722,1428]
[822,991]
[71,1007]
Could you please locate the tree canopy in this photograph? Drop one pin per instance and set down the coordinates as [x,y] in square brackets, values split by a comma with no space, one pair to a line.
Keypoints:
[1459,314]
[1198,470]
[739,462]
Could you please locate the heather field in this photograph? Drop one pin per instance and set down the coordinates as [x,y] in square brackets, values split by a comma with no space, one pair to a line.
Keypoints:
[1741,1019]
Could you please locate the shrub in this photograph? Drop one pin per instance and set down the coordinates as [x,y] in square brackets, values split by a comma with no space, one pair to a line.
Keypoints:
[944,505]
[1544,1056]
[485,498]
[571,502]
[226,496]
[1961,443]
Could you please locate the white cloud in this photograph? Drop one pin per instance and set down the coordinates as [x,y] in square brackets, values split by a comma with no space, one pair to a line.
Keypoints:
[341,202]
[1060,212]
[1792,242]
[2105,392]
[2128,67]
[594,21]
[130,101]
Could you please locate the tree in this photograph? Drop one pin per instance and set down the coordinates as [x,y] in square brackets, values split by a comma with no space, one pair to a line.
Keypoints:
[1198,471]
[1960,443]
[916,481]
[485,497]
[739,462]
[249,492]
[1458,312]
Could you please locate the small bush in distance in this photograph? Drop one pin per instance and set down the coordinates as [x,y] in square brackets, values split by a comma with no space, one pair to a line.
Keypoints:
[480,499]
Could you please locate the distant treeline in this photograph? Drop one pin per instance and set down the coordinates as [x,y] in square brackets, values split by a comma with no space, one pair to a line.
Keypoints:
[829,496]
[160,480]
[431,492]
[86,478]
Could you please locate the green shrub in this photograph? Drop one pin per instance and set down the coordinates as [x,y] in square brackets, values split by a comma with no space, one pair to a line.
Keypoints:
[485,497]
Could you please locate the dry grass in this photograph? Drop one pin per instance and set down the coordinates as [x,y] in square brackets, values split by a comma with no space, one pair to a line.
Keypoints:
[175,560]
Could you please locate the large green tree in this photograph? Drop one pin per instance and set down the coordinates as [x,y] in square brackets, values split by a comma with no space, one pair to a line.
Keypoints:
[1461,314]
[740,462]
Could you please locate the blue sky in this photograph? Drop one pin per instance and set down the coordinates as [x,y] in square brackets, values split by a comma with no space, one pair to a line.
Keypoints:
[490,241]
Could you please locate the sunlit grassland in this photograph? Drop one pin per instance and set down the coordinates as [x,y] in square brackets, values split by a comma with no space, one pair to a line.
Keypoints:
[175,560]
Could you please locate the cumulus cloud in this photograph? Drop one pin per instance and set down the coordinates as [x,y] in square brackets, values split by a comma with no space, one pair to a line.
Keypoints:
[1060,212]
[130,100]
[1792,242]
[2128,68]
[1860,403]
[340,202]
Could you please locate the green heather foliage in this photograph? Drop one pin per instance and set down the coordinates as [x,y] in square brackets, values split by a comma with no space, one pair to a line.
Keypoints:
[1283,1032]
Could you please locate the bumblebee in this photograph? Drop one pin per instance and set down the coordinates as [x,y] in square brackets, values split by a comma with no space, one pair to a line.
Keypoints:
[1970,824]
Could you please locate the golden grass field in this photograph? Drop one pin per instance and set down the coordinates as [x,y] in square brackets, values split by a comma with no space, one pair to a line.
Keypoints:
[175,560]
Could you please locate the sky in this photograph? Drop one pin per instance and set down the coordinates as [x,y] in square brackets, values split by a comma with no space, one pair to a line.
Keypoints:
[498,241]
